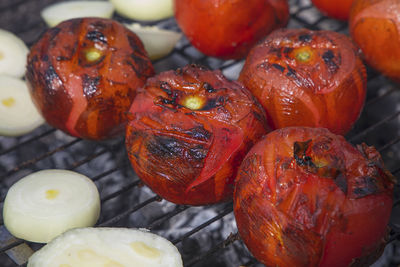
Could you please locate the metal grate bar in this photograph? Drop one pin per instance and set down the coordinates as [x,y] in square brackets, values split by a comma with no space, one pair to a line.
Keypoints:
[230,64]
[376,99]
[305,23]
[394,237]
[373,127]
[26,142]
[389,144]
[228,241]
[203,225]
[162,219]
[124,214]
[39,158]
[11,5]
[27,28]
[88,159]
[11,245]
[121,191]
[303,8]
[104,174]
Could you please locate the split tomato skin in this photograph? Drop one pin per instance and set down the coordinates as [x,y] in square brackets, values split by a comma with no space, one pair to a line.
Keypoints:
[339,9]
[374,27]
[83,75]
[307,78]
[228,29]
[189,129]
[306,197]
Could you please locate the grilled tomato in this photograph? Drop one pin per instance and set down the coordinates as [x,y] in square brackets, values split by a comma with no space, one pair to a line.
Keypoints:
[83,76]
[339,9]
[189,129]
[374,27]
[307,78]
[306,197]
[228,29]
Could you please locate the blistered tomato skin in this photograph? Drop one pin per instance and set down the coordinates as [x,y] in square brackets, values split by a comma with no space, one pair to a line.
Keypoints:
[307,78]
[374,27]
[83,75]
[189,129]
[306,197]
[339,9]
[228,29]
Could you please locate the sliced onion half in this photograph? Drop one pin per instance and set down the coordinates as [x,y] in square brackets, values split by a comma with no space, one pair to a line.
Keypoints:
[47,203]
[101,247]
[145,10]
[13,52]
[58,12]
[157,42]
[18,114]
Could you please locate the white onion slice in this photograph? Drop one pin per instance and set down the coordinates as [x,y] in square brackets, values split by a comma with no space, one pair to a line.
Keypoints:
[47,203]
[13,52]
[145,10]
[157,42]
[18,114]
[58,12]
[100,247]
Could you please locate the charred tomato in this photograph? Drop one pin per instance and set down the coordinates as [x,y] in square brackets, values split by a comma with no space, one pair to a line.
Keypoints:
[228,29]
[374,27]
[306,197]
[83,76]
[339,9]
[307,78]
[189,129]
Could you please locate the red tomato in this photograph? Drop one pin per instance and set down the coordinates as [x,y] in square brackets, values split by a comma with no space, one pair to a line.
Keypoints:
[374,27]
[229,28]
[306,197]
[83,76]
[189,131]
[307,78]
[338,9]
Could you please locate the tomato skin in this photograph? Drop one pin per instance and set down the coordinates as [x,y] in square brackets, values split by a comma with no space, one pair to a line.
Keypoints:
[189,129]
[307,78]
[374,27]
[83,76]
[229,28]
[339,9]
[306,197]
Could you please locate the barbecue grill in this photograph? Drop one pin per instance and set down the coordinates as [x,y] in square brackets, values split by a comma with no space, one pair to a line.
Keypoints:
[206,236]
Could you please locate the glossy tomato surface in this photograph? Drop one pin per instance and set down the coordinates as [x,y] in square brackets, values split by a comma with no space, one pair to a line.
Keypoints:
[83,76]
[307,78]
[188,132]
[338,9]
[229,28]
[374,27]
[306,197]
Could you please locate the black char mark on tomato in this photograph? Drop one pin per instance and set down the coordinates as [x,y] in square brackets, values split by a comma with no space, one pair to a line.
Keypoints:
[312,157]
[90,85]
[171,147]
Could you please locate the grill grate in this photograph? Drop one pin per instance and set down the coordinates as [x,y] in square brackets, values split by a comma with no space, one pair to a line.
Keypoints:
[206,236]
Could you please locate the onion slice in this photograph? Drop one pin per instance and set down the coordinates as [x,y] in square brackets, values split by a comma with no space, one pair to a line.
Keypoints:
[47,203]
[145,10]
[119,247]
[157,42]
[18,114]
[58,12]
[13,52]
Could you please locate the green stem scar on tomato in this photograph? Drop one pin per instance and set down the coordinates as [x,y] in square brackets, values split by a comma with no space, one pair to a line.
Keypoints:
[193,102]
[303,54]
[93,55]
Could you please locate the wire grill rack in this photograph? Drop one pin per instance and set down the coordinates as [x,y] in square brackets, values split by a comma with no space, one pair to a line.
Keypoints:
[206,236]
